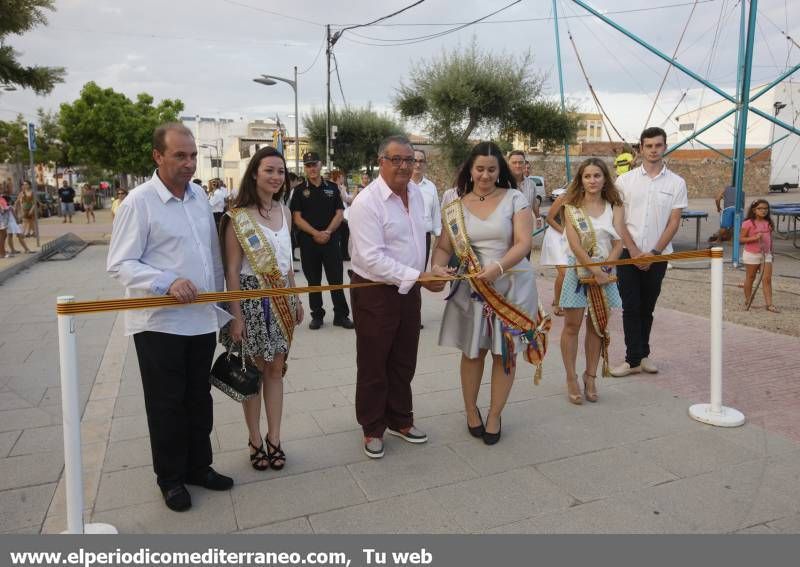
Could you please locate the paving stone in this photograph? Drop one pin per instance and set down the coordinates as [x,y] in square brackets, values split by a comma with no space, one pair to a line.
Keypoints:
[233,436]
[337,420]
[211,512]
[25,507]
[758,529]
[12,401]
[312,400]
[7,441]
[128,454]
[716,502]
[125,488]
[408,514]
[315,378]
[14,420]
[604,473]
[488,502]
[620,514]
[757,439]
[788,525]
[40,440]
[295,526]
[293,496]
[403,473]
[127,406]
[29,470]
[690,454]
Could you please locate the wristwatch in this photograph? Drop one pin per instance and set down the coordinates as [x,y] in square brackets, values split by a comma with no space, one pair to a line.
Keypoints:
[655,252]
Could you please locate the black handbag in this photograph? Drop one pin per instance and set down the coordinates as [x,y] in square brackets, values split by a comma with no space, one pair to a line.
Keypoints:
[237,379]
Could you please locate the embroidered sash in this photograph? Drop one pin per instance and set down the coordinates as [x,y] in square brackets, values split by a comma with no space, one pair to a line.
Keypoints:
[514,320]
[595,296]
[262,258]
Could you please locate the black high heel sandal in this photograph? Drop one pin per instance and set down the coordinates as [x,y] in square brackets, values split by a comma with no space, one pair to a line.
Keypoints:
[492,438]
[275,454]
[478,430]
[259,457]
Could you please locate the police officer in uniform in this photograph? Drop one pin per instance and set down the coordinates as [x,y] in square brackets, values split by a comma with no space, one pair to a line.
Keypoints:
[317,212]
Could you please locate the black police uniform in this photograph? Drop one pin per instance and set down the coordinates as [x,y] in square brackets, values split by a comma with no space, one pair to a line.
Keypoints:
[318,206]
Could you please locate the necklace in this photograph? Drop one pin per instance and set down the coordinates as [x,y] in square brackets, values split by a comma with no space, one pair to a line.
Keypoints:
[483,197]
[271,204]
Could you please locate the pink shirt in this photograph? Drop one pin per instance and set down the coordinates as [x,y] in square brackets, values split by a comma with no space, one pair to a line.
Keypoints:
[387,242]
[754,227]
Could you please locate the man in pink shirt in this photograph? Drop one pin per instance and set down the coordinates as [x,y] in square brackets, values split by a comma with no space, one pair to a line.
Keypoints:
[387,245]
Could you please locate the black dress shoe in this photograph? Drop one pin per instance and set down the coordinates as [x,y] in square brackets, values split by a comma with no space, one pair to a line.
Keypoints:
[344,322]
[492,438]
[478,430]
[211,480]
[177,498]
[315,324]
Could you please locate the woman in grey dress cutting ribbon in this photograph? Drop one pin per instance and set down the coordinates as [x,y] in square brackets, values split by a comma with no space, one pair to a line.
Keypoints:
[488,227]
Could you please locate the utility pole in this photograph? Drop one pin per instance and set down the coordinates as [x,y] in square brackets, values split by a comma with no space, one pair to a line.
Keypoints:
[328,47]
[561,88]
[31,150]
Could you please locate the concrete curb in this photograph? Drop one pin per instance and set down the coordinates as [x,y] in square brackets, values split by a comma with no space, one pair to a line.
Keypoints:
[11,271]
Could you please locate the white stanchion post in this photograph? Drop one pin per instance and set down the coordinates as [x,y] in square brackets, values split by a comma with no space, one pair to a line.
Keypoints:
[715,413]
[71,417]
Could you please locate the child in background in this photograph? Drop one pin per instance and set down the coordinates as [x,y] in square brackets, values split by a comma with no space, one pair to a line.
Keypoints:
[756,235]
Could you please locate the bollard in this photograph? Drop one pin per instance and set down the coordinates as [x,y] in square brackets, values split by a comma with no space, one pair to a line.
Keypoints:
[70,410]
[715,413]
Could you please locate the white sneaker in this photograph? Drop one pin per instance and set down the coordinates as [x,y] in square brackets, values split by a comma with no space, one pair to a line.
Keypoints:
[649,366]
[625,369]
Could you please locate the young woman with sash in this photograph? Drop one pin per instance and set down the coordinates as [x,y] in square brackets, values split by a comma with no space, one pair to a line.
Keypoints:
[257,253]
[593,216]
[489,228]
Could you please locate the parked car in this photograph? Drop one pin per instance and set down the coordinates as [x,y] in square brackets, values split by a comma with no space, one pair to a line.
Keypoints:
[538,180]
[557,193]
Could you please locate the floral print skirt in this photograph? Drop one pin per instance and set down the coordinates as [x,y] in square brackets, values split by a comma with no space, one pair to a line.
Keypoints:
[264,339]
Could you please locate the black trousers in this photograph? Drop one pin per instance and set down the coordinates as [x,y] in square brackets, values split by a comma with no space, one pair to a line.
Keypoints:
[344,233]
[313,257]
[387,339]
[639,290]
[427,249]
[177,398]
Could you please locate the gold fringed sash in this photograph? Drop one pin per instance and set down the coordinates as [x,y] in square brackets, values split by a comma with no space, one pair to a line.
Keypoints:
[515,321]
[262,258]
[595,296]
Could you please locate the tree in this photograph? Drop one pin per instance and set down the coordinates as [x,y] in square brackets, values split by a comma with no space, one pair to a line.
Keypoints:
[105,129]
[359,133]
[468,92]
[18,17]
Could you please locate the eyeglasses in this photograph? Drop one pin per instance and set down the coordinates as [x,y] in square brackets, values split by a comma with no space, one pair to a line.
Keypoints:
[397,160]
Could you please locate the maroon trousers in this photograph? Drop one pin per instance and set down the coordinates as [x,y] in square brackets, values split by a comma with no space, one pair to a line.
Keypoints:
[387,337]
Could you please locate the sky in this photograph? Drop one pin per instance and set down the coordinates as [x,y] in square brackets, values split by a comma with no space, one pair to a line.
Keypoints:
[206,52]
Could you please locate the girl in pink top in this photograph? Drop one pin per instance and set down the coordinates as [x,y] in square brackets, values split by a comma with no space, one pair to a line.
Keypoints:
[756,235]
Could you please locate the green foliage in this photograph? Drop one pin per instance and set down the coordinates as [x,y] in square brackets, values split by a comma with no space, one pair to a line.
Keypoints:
[469,92]
[105,129]
[359,133]
[18,17]
[14,140]
[543,122]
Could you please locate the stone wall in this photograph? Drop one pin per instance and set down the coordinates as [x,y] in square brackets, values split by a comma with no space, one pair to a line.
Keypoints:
[704,174]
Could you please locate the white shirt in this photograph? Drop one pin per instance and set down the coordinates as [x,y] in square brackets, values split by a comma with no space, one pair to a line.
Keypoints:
[528,188]
[158,238]
[217,200]
[449,196]
[387,242]
[281,242]
[649,202]
[432,213]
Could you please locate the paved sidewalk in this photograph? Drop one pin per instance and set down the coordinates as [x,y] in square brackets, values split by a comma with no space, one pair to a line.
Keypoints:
[632,463]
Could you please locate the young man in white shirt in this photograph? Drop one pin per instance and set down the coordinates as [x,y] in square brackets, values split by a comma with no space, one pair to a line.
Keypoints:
[164,242]
[387,245]
[526,185]
[432,213]
[217,200]
[654,198]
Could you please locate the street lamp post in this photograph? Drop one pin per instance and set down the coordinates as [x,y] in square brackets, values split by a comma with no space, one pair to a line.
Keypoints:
[215,147]
[270,80]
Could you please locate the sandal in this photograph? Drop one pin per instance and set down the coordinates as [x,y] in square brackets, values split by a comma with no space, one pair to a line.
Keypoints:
[259,460]
[276,456]
[773,309]
[572,387]
[589,387]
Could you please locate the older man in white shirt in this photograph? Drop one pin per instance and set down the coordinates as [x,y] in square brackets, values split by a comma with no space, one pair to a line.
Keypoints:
[387,239]
[654,198]
[164,242]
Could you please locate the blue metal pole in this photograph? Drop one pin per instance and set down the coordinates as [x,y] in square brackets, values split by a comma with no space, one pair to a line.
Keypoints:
[773,119]
[652,49]
[713,149]
[739,72]
[700,131]
[768,146]
[561,87]
[741,138]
